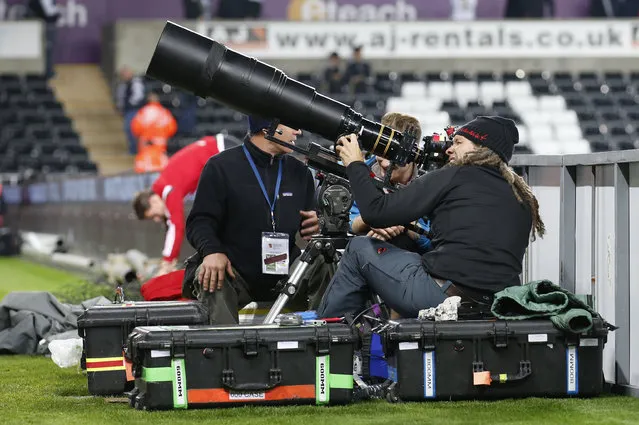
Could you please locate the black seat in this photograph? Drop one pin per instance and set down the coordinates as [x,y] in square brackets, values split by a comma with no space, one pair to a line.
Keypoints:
[8,164]
[9,78]
[66,133]
[28,162]
[40,133]
[20,146]
[8,117]
[487,76]
[409,76]
[53,163]
[599,146]
[60,120]
[83,164]
[73,148]
[43,148]
[436,76]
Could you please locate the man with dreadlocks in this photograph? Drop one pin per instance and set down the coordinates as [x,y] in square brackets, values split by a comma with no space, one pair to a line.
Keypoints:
[481,212]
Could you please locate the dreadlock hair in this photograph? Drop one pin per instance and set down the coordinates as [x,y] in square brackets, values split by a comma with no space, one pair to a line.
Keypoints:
[486,157]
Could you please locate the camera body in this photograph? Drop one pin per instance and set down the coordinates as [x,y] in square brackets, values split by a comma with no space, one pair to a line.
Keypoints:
[334,202]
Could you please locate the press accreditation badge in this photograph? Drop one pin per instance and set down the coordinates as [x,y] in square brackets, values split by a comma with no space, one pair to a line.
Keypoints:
[275,253]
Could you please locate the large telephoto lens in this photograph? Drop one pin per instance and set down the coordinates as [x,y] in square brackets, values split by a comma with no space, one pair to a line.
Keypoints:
[207,68]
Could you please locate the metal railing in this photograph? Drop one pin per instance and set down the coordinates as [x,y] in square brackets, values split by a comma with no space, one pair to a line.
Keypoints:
[590,205]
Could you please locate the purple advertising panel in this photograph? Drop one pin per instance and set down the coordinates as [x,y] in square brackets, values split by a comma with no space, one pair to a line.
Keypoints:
[80,27]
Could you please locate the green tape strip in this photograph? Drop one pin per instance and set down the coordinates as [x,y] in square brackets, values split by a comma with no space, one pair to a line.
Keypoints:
[322,379]
[341,381]
[157,374]
[179,384]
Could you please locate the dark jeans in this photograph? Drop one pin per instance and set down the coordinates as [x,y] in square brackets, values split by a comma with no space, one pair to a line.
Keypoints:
[370,266]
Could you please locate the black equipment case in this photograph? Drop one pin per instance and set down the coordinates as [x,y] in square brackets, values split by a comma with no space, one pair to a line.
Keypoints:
[485,359]
[105,328]
[191,367]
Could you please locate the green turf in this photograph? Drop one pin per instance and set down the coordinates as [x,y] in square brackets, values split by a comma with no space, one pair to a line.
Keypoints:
[33,390]
[21,275]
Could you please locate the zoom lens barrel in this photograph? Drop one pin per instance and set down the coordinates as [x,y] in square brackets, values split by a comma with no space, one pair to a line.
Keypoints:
[207,68]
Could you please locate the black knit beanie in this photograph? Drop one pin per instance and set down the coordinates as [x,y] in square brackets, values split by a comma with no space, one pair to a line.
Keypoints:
[498,134]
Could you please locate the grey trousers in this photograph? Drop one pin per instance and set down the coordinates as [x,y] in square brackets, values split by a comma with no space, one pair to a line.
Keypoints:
[224,304]
[370,266]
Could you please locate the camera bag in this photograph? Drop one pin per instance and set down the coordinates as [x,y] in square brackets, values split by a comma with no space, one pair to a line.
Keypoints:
[104,330]
[184,367]
[492,359]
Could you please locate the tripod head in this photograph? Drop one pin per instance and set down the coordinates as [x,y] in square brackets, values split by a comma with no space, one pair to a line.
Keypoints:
[334,197]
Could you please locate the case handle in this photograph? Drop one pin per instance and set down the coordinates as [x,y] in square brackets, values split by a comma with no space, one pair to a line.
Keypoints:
[274,379]
[484,377]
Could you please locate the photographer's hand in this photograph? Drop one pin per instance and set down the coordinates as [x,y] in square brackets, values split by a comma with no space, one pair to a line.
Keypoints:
[348,149]
[212,271]
[310,224]
[387,233]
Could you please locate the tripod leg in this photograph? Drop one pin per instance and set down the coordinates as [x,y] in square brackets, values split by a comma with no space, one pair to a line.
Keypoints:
[306,259]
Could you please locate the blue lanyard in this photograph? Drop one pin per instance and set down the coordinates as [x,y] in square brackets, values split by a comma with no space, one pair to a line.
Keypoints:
[259,180]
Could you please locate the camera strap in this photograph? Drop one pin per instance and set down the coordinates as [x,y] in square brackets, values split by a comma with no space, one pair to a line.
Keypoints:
[259,180]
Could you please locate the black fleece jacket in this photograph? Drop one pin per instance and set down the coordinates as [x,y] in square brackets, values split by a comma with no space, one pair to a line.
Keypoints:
[230,212]
[480,230]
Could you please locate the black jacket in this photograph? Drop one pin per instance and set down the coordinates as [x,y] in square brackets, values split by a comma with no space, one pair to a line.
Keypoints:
[479,230]
[230,213]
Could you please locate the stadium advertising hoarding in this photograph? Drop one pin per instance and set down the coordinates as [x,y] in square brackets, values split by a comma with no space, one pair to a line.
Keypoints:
[494,39]
[20,40]
[82,21]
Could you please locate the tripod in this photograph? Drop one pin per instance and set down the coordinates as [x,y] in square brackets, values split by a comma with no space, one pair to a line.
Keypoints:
[334,202]
[326,246]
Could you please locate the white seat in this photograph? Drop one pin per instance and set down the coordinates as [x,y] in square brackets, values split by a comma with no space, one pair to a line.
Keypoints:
[523,134]
[568,132]
[567,117]
[535,118]
[429,130]
[517,89]
[442,90]
[539,134]
[426,104]
[439,118]
[523,104]
[412,105]
[550,147]
[552,103]
[399,104]
[490,91]
[413,89]
[466,91]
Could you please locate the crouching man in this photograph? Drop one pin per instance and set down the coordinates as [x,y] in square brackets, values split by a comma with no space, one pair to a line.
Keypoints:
[250,203]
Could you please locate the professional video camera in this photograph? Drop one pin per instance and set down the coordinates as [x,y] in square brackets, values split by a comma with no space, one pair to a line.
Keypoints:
[207,68]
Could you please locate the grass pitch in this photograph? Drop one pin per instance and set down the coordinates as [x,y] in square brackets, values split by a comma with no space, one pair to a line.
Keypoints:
[33,390]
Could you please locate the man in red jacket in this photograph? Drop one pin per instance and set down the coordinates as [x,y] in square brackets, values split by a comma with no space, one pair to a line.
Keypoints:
[164,201]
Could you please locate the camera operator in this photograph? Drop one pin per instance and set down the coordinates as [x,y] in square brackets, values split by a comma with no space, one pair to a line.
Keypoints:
[481,213]
[397,235]
[250,202]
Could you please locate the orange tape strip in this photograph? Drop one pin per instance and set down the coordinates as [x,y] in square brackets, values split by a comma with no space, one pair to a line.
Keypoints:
[219,395]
